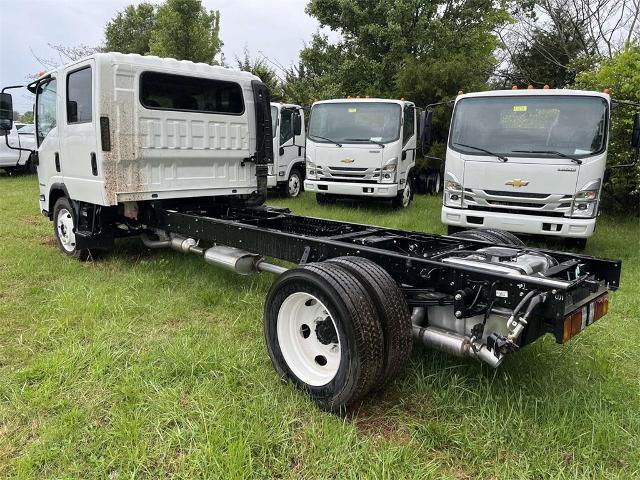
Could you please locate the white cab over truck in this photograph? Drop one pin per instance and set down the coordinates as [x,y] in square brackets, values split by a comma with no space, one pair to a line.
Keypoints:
[362,148]
[288,169]
[116,130]
[527,161]
[176,154]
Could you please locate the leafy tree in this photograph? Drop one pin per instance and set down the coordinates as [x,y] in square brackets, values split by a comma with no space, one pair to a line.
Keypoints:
[26,117]
[420,49]
[260,68]
[621,74]
[130,30]
[185,30]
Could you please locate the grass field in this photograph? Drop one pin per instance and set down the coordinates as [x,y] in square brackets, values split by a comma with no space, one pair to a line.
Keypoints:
[152,365]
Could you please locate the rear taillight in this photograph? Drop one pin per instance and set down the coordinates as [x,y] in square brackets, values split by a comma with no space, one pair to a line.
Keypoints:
[581,318]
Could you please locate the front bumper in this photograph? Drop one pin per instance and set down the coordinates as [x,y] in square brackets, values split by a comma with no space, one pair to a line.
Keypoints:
[528,224]
[380,190]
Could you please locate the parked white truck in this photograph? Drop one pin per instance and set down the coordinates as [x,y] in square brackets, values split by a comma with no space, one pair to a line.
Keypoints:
[288,169]
[362,148]
[176,153]
[16,147]
[527,161]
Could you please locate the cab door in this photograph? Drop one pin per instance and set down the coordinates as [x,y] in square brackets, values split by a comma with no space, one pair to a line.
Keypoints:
[47,138]
[79,150]
[287,152]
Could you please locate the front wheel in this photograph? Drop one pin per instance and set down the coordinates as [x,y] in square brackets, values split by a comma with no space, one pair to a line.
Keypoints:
[294,184]
[404,197]
[64,225]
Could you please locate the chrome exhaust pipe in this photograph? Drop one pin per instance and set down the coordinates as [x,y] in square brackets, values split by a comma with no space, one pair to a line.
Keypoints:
[455,344]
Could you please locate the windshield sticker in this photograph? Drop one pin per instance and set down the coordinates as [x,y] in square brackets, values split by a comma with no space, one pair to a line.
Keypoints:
[352,110]
[375,139]
[519,108]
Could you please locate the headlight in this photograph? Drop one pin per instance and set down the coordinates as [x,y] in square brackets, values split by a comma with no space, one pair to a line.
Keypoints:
[388,174]
[311,170]
[585,201]
[453,186]
[452,191]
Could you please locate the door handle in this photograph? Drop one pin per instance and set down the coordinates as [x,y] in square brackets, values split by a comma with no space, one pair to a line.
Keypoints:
[94,164]
[57,160]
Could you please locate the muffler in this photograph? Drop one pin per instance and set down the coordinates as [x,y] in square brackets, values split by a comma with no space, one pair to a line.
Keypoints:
[455,344]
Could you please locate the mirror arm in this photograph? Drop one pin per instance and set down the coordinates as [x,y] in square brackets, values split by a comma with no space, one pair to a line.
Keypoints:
[629,165]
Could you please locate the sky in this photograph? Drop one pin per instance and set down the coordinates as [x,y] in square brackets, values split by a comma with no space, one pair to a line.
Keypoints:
[275,28]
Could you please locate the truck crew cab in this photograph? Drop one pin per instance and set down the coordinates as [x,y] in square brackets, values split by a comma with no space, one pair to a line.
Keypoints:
[176,154]
[363,148]
[288,169]
[527,161]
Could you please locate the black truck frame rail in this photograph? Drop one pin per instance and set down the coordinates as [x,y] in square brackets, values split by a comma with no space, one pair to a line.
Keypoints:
[414,260]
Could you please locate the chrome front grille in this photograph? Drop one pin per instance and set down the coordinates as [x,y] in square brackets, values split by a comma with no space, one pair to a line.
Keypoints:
[345,174]
[498,200]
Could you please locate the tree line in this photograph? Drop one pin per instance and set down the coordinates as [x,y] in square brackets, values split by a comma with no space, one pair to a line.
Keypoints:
[423,50]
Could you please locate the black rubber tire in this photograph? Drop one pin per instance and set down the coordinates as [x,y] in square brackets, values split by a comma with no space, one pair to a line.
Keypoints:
[434,182]
[398,201]
[576,243]
[491,235]
[78,254]
[287,193]
[324,199]
[358,328]
[392,310]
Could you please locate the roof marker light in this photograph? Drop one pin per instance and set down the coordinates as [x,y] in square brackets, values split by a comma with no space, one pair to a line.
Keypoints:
[515,87]
[606,90]
[530,87]
[460,92]
[546,87]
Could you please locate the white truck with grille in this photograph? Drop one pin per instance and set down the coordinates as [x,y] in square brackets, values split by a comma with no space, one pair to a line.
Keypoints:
[288,169]
[361,148]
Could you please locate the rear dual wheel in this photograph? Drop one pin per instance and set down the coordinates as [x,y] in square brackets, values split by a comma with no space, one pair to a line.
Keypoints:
[328,331]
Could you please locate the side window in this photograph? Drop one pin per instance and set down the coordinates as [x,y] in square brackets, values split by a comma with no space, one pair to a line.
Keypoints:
[79,104]
[163,91]
[46,109]
[408,129]
[286,126]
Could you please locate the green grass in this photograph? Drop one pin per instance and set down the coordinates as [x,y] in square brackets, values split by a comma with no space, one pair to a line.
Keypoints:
[152,365]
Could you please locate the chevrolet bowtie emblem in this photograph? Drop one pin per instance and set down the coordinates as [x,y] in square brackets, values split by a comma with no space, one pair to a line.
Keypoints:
[516,182]
[347,160]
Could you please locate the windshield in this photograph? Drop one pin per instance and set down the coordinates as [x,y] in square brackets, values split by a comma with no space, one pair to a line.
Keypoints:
[557,125]
[366,122]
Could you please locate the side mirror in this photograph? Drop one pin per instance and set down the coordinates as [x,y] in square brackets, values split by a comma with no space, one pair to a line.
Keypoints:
[635,136]
[297,124]
[72,111]
[426,125]
[6,111]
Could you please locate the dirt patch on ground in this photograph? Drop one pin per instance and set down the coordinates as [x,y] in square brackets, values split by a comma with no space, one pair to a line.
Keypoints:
[31,220]
[48,242]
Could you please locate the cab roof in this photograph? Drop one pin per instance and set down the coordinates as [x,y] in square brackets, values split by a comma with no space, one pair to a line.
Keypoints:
[536,92]
[365,100]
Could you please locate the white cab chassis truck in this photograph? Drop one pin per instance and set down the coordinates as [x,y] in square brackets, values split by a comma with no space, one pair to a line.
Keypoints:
[527,161]
[16,148]
[363,148]
[288,169]
[176,153]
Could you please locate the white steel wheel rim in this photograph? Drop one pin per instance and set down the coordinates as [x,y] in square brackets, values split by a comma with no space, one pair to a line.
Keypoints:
[64,226]
[294,185]
[305,346]
[406,195]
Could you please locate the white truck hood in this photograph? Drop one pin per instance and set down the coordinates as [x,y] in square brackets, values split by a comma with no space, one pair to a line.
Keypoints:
[559,176]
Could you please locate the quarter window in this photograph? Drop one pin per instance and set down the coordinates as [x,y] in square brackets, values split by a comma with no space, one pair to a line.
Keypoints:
[79,100]
[46,109]
[162,91]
